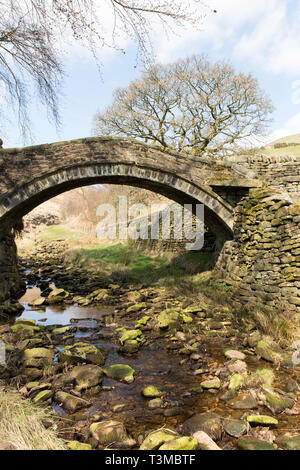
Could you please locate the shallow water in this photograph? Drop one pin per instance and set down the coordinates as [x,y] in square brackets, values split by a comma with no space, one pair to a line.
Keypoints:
[156,365]
[59,314]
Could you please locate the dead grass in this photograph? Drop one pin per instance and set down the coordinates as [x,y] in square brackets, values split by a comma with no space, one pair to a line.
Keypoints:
[21,424]
[276,324]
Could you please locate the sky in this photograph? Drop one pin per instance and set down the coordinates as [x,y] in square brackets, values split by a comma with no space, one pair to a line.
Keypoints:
[257,36]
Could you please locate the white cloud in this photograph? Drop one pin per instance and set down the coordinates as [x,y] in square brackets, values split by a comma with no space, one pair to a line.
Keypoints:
[217,29]
[273,43]
[263,33]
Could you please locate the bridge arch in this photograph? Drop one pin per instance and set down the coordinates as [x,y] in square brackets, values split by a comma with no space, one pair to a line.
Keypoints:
[64,166]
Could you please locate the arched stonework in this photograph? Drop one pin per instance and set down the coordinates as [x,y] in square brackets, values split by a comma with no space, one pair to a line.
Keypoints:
[24,199]
[31,175]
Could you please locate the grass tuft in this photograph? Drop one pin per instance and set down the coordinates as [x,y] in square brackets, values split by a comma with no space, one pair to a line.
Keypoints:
[279,326]
[22,425]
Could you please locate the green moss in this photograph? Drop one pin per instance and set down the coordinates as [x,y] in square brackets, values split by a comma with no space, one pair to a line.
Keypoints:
[156,438]
[130,335]
[152,392]
[180,443]
[121,372]
[76,445]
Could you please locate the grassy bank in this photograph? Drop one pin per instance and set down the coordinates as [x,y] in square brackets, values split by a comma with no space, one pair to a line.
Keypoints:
[127,263]
[22,425]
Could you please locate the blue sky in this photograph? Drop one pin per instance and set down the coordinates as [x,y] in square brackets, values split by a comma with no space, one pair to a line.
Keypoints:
[258,36]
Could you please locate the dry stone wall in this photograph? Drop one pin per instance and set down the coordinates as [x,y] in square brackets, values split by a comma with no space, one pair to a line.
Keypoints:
[281,172]
[11,284]
[262,262]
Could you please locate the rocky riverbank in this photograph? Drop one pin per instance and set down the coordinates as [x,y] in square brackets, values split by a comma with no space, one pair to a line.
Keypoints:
[144,367]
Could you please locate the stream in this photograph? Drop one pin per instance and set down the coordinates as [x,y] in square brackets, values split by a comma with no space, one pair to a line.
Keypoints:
[154,364]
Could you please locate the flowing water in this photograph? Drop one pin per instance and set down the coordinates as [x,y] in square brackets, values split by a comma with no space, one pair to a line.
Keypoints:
[153,364]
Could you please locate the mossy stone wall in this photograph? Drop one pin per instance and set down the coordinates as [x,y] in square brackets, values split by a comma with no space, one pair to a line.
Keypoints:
[262,262]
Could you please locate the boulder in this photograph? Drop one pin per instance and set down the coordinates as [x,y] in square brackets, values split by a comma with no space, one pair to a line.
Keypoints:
[87,376]
[235,427]
[211,384]
[80,353]
[181,443]
[121,372]
[261,420]
[243,401]
[130,335]
[168,318]
[233,354]
[250,443]
[111,432]
[205,442]
[70,402]
[209,422]
[76,445]
[43,396]
[277,401]
[152,392]
[289,442]
[156,438]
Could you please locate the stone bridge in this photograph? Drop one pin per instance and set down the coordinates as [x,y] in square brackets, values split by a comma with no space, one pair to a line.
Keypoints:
[31,175]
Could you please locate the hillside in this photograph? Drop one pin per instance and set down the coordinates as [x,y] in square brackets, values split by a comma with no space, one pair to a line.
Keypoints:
[289,145]
[288,140]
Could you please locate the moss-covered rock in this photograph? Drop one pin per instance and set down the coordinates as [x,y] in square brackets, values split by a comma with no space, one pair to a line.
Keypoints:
[136,307]
[277,402]
[261,420]
[209,422]
[130,335]
[87,376]
[60,330]
[157,438]
[43,396]
[70,402]
[31,329]
[121,372]
[250,443]
[155,403]
[76,445]
[80,353]
[142,321]
[25,321]
[235,427]
[111,432]
[211,384]
[38,353]
[37,302]
[237,381]
[152,392]
[168,318]
[272,352]
[181,443]
[289,442]
[38,357]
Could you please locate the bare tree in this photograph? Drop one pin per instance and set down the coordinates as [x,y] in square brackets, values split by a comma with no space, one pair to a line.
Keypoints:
[33,33]
[190,106]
